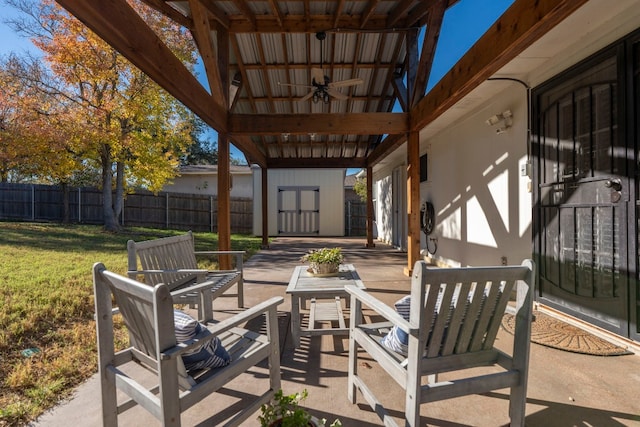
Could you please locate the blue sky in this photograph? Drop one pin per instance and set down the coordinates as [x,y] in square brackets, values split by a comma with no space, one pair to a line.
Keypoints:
[474,17]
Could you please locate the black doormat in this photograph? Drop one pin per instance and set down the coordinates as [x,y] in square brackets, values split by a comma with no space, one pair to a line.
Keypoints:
[551,332]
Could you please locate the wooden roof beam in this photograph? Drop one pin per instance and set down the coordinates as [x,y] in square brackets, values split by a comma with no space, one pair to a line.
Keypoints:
[202,34]
[169,12]
[386,147]
[519,27]
[434,24]
[316,162]
[368,12]
[246,12]
[277,13]
[337,65]
[338,13]
[306,24]
[399,12]
[318,123]
[250,150]
[218,15]
[121,27]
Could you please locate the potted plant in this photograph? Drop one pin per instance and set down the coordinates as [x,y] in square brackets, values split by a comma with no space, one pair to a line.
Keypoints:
[285,411]
[324,261]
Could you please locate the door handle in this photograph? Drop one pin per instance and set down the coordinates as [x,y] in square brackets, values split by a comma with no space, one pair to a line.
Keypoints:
[614,184]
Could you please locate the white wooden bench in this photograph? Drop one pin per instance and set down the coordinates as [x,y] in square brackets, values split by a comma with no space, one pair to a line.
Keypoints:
[148,315]
[172,260]
[454,317]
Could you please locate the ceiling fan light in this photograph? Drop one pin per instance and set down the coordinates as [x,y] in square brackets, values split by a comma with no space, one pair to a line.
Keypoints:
[325,97]
[316,97]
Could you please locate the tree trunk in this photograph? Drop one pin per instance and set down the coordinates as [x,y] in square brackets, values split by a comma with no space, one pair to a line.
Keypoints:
[110,220]
[118,203]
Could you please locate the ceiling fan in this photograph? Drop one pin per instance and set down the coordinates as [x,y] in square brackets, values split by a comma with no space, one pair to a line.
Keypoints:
[322,88]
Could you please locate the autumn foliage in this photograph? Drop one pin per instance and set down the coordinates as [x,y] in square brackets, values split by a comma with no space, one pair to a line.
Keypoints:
[83,106]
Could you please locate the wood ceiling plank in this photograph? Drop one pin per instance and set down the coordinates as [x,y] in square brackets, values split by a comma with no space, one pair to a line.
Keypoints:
[120,26]
[318,123]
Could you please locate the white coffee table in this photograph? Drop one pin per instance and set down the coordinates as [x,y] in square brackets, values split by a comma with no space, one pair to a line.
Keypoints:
[305,286]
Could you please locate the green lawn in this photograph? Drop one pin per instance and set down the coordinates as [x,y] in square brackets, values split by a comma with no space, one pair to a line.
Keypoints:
[47,304]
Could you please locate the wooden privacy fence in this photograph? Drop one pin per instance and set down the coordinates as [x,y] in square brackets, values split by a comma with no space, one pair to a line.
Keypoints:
[34,202]
[31,202]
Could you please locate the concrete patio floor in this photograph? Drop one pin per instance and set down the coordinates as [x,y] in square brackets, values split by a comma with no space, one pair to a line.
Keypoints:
[565,389]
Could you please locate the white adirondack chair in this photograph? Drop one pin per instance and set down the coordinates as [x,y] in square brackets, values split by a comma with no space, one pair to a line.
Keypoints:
[148,315]
[454,318]
[173,260]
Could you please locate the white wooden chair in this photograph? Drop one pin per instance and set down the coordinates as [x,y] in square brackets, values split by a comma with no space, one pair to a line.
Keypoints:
[453,321]
[148,315]
[172,260]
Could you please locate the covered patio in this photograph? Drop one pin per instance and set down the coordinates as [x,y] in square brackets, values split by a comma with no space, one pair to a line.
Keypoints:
[565,388]
[318,84]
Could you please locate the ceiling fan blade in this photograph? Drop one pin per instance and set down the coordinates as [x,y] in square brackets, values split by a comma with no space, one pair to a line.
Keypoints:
[317,75]
[307,96]
[345,83]
[336,93]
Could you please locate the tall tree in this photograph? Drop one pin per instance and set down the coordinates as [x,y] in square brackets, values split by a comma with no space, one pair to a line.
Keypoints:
[122,122]
[202,151]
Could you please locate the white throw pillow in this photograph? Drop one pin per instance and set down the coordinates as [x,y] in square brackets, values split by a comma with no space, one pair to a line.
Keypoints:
[209,355]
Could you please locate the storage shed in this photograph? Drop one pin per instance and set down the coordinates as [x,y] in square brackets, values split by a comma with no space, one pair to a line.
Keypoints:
[300,202]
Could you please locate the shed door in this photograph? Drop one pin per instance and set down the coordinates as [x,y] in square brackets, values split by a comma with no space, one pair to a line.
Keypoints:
[298,210]
[583,198]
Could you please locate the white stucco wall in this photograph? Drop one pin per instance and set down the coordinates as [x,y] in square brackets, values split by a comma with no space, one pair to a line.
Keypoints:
[482,203]
[331,197]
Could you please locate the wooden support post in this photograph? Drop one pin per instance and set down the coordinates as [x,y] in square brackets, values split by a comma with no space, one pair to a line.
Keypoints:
[265,209]
[224,201]
[413,200]
[370,212]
